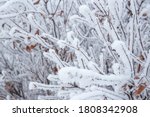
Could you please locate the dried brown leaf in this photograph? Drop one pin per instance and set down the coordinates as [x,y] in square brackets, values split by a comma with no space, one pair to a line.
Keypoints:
[140,89]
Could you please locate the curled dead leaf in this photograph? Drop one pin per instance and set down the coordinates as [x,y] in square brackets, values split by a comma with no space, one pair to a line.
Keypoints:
[35,2]
[37,32]
[30,47]
[136,78]
[140,89]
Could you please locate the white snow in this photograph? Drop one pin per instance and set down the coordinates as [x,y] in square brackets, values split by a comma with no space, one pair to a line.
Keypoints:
[84,78]
[116,68]
[124,55]
[145,11]
[53,78]
[54,57]
[35,85]
[88,14]
[61,43]
[99,95]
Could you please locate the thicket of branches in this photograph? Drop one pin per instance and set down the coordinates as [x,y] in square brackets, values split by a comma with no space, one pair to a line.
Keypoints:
[74,49]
